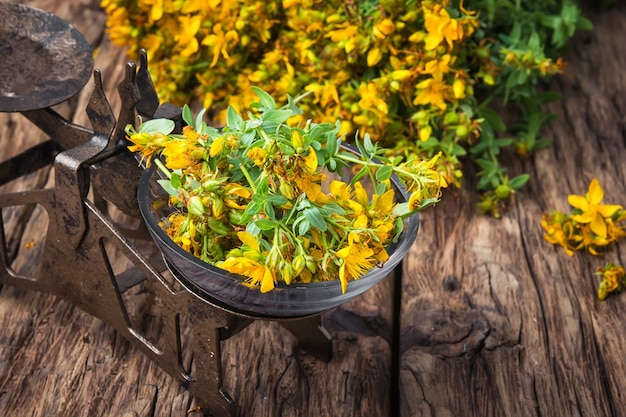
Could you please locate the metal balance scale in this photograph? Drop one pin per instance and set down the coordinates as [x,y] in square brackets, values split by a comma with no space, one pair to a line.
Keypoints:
[46,61]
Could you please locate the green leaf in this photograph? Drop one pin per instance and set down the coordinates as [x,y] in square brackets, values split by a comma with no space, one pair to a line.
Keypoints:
[277,116]
[362,172]
[175,180]
[253,229]
[248,137]
[277,200]
[458,150]
[164,126]
[188,116]
[269,210]
[316,219]
[218,227]
[428,202]
[583,23]
[286,149]
[519,181]
[399,227]
[199,123]
[253,123]
[401,209]
[303,226]
[384,173]
[541,143]
[234,119]
[168,187]
[267,101]
[265,224]
[381,188]
[493,118]
[368,145]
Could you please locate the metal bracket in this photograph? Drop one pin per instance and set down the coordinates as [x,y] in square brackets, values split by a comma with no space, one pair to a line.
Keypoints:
[81,229]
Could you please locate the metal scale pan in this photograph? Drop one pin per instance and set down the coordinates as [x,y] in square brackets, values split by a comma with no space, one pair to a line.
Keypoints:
[43,59]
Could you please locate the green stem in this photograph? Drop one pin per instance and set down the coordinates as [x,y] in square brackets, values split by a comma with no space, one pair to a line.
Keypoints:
[248,177]
[162,167]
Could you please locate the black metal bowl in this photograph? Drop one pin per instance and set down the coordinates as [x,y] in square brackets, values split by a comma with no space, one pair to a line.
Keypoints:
[226,289]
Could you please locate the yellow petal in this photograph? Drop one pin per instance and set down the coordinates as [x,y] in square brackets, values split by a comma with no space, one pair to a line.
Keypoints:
[267,283]
[607,210]
[384,203]
[217,146]
[400,75]
[342,278]
[248,240]
[578,201]
[425,133]
[598,226]
[382,255]
[373,57]
[360,194]
[310,161]
[595,193]
[459,88]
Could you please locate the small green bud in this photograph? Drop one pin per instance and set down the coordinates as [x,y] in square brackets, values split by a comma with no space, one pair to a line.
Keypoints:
[195,206]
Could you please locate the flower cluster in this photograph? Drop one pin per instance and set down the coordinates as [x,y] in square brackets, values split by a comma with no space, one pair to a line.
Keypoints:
[417,75]
[590,226]
[277,202]
[613,279]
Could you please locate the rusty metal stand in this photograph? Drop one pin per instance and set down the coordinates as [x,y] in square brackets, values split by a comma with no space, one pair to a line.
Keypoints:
[80,229]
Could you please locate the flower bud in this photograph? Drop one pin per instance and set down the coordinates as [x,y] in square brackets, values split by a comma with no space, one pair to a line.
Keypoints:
[287,272]
[298,264]
[195,206]
[218,227]
[297,141]
[236,217]
[217,207]
[286,190]
[311,265]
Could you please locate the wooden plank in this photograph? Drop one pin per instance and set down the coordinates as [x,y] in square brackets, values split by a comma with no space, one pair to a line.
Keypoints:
[497,322]
[57,360]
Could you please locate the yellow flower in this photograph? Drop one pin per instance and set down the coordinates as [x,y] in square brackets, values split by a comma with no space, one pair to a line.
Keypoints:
[590,210]
[612,279]
[371,98]
[432,91]
[148,144]
[440,26]
[220,41]
[340,190]
[310,162]
[558,230]
[177,154]
[257,272]
[383,28]
[190,25]
[258,156]
[217,146]
[383,204]
[357,260]
[438,67]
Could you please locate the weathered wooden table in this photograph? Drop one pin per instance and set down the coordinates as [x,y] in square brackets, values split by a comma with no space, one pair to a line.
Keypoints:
[485,319]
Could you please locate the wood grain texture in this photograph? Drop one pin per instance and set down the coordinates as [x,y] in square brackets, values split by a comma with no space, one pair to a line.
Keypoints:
[497,322]
[56,360]
[494,321]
